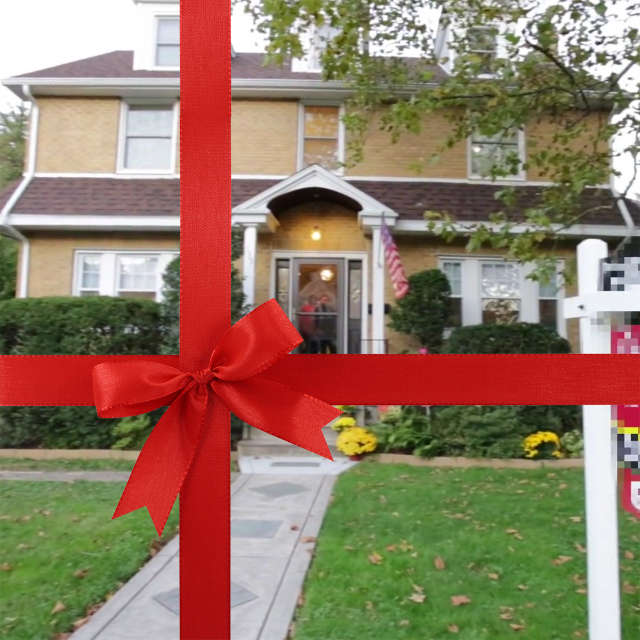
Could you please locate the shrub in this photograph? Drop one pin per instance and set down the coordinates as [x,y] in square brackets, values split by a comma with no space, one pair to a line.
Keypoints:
[520,337]
[425,310]
[85,326]
[405,429]
[131,432]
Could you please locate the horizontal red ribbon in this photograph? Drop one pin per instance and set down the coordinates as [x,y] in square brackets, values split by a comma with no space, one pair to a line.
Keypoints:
[544,379]
[237,375]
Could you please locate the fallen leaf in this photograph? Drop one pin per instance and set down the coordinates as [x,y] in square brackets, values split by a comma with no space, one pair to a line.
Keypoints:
[81,573]
[580,548]
[58,607]
[403,623]
[80,623]
[301,599]
[405,546]
[307,539]
[390,547]
[453,628]
[348,547]
[439,563]
[375,558]
[629,555]
[506,616]
[294,527]
[5,566]
[457,601]
[628,587]
[23,547]
[417,597]
[561,560]
[368,605]
[382,499]
[516,627]
[581,591]
[515,533]
[575,518]
[522,587]
[493,576]
[578,579]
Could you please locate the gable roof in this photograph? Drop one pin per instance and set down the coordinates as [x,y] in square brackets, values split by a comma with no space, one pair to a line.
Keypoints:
[468,202]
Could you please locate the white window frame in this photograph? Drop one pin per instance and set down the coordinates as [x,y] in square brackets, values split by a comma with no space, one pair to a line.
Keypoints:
[122,136]
[471,274]
[156,27]
[341,132]
[522,155]
[108,279]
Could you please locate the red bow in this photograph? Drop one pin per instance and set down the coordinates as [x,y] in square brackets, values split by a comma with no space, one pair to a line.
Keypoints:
[237,375]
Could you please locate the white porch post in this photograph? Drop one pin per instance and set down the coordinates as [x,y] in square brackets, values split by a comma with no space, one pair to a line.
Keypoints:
[377,297]
[249,263]
[600,468]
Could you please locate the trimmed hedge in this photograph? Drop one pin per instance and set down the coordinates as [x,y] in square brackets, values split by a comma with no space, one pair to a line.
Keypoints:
[83,326]
[520,337]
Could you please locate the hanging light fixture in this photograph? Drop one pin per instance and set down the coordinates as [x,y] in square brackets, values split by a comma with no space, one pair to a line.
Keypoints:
[316,234]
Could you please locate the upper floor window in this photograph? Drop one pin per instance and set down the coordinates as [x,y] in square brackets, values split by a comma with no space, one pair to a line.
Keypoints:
[482,42]
[168,42]
[321,136]
[500,156]
[148,141]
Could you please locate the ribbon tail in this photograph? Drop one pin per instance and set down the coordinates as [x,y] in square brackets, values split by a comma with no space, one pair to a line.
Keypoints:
[279,410]
[165,459]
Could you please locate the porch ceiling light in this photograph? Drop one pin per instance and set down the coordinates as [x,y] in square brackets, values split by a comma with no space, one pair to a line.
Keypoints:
[316,234]
[327,275]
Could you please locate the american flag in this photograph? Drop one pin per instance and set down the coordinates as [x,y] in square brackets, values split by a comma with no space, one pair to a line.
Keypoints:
[394,264]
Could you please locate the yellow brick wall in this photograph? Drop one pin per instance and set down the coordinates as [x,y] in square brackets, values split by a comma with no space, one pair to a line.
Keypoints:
[52,254]
[264,136]
[78,135]
[381,157]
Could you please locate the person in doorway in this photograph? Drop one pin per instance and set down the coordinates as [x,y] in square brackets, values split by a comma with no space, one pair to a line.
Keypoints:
[307,326]
[326,326]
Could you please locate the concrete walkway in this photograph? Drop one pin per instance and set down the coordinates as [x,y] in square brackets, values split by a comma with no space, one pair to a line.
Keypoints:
[66,476]
[274,523]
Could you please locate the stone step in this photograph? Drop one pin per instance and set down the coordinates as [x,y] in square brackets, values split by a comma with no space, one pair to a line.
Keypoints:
[277,448]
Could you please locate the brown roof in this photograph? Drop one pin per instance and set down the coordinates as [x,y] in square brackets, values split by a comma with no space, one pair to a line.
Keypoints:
[153,196]
[5,193]
[119,64]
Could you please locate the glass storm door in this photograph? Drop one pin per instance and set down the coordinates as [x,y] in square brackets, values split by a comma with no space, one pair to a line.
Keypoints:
[323,299]
[317,304]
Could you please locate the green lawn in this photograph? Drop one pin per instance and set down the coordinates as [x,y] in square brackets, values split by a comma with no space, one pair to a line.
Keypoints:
[28,464]
[510,541]
[58,544]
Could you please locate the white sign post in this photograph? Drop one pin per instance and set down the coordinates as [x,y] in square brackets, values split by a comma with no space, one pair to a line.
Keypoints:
[598,311]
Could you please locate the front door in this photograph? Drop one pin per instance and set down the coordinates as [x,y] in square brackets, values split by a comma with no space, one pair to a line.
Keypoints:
[317,304]
[323,297]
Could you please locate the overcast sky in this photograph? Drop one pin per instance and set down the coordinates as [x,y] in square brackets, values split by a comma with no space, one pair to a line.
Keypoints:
[36,34]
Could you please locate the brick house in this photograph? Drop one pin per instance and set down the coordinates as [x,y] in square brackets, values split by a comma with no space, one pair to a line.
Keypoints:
[96,211]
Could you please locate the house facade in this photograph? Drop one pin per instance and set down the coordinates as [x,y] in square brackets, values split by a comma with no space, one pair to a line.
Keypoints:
[97,210]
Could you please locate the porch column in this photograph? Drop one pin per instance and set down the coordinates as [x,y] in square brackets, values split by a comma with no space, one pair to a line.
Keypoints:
[249,263]
[377,293]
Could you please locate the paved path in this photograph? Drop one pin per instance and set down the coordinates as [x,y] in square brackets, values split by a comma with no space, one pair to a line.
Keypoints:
[274,522]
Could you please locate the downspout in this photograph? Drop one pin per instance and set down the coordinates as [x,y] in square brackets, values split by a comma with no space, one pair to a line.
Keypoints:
[5,226]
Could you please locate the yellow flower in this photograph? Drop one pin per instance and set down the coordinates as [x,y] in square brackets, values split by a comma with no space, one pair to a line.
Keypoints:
[345,422]
[356,440]
[533,441]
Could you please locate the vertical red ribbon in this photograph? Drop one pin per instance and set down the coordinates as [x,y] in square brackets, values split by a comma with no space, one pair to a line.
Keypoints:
[205,298]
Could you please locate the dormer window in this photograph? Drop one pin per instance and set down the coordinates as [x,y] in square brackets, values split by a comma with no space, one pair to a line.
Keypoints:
[483,45]
[168,42]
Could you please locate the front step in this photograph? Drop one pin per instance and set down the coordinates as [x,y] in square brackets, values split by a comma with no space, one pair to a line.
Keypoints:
[259,443]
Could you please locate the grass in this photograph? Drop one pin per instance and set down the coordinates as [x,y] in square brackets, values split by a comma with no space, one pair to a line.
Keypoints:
[58,544]
[29,464]
[511,541]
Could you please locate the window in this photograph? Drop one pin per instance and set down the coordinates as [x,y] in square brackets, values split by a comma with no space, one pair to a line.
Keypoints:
[497,156]
[148,143]
[495,291]
[500,291]
[320,136]
[126,274]
[453,271]
[137,276]
[548,294]
[483,44]
[89,284]
[168,42]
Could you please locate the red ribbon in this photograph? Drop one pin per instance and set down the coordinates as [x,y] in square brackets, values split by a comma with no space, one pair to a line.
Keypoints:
[237,375]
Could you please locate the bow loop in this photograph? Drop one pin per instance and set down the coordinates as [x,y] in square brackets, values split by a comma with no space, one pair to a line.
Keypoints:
[235,377]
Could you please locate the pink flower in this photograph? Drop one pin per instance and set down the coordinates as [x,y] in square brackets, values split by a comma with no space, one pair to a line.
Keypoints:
[423,351]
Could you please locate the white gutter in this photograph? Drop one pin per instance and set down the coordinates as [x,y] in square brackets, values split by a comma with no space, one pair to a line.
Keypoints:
[25,254]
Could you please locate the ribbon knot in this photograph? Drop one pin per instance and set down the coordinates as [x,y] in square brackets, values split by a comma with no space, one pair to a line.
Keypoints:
[237,376]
